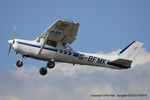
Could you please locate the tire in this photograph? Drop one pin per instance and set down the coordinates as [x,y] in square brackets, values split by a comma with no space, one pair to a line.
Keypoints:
[43,71]
[19,63]
[51,64]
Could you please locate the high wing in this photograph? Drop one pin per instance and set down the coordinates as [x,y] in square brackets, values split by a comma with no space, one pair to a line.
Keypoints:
[63,31]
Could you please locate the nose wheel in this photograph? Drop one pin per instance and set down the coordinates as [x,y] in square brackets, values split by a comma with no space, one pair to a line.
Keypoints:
[19,63]
[43,70]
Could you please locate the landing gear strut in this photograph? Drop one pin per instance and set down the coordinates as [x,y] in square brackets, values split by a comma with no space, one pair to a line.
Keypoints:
[19,63]
[50,64]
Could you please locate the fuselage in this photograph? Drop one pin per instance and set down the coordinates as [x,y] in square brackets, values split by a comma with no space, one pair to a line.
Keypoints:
[30,49]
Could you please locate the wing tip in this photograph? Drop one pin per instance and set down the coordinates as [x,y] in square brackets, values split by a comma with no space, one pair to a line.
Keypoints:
[64,19]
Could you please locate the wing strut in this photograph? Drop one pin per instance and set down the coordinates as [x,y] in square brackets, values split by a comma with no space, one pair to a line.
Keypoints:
[43,44]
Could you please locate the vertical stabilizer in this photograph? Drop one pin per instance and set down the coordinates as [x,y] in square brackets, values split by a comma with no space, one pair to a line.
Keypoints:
[130,51]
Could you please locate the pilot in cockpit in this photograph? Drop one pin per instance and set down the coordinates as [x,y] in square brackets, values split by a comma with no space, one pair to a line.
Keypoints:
[51,43]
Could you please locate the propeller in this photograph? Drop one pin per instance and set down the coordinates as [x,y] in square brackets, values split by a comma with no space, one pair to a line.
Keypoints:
[12,40]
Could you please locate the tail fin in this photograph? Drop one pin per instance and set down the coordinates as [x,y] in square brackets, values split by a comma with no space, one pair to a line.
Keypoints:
[126,56]
[130,52]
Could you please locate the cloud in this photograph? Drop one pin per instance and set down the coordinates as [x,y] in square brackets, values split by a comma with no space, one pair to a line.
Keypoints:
[142,58]
[68,82]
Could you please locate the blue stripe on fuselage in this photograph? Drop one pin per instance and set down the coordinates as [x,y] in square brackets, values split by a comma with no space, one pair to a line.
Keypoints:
[38,46]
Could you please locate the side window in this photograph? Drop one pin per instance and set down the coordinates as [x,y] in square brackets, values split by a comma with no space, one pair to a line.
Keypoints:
[52,43]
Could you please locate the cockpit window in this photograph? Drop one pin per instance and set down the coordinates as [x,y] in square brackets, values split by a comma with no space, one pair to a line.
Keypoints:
[52,43]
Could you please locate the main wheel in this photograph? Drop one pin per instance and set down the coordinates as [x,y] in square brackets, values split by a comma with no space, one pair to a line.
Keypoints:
[19,63]
[43,71]
[51,64]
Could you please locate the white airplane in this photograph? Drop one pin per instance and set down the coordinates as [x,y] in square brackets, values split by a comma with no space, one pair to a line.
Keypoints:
[52,46]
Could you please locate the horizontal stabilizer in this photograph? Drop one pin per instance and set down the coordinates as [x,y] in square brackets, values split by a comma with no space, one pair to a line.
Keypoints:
[121,63]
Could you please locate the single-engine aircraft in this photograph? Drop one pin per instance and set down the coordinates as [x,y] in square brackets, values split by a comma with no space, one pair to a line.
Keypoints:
[53,46]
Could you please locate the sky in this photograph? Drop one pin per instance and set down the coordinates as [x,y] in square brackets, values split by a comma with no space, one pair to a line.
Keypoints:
[106,26]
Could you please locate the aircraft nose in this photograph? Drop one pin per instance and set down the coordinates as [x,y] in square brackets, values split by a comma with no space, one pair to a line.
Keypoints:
[10,41]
